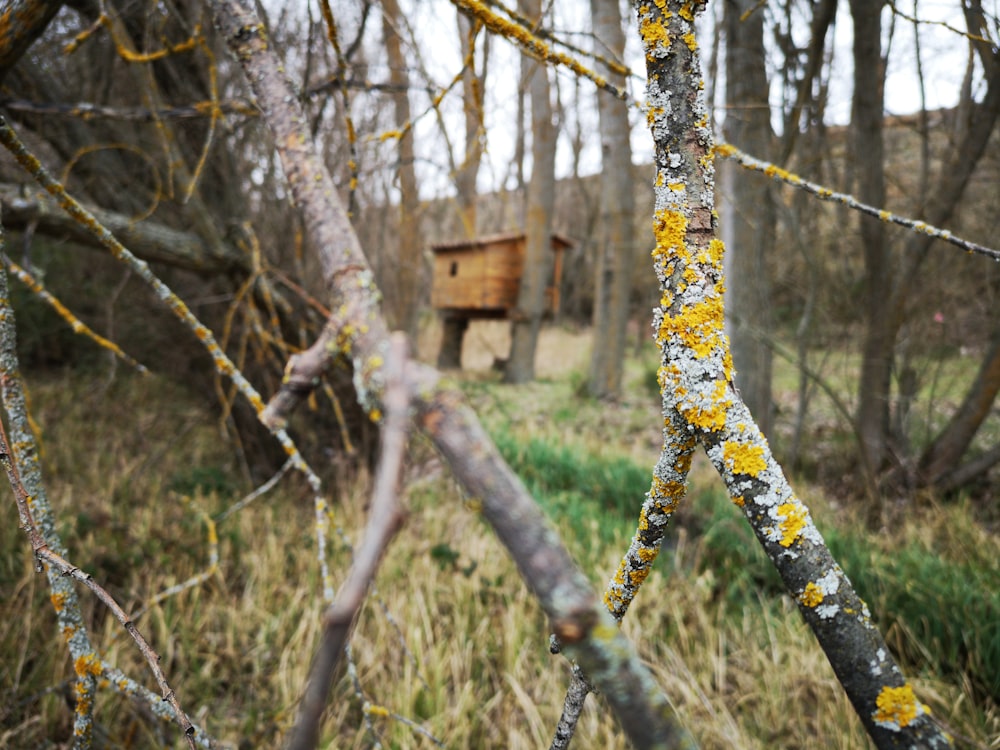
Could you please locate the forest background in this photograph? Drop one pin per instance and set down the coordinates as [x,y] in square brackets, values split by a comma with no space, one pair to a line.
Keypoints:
[143,116]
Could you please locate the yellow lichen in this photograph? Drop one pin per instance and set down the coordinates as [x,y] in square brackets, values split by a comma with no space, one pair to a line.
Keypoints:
[669,227]
[793,523]
[373,710]
[713,256]
[711,419]
[812,596]
[646,554]
[666,488]
[87,664]
[744,458]
[738,500]
[897,705]
[636,577]
[698,327]
[653,32]
[643,521]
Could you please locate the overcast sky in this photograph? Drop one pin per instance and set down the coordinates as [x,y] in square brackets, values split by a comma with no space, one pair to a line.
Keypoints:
[944,54]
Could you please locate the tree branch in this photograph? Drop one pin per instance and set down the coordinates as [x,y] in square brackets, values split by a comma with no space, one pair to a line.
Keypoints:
[21,23]
[151,241]
[701,402]
[384,520]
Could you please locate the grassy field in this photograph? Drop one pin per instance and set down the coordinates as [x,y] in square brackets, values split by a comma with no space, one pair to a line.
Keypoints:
[453,641]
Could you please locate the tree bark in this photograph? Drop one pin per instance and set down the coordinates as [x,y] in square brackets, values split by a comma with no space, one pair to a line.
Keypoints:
[473,84]
[617,248]
[941,458]
[21,23]
[401,280]
[527,316]
[866,137]
[748,221]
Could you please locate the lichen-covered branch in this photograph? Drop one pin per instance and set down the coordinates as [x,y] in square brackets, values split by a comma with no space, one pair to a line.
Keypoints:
[700,401]
[584,626]
[729,151]
[38,289]
[37,518]
[87,667]
[519,32]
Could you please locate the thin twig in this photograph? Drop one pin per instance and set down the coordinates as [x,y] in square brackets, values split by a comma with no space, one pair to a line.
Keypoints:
[728,151]
[384,520]
[576,697]
[90,111]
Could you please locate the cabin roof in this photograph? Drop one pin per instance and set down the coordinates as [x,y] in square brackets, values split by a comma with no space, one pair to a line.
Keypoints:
[560,242]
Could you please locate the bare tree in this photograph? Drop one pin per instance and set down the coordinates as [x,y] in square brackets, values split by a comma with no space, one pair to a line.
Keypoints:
[748,216]
[540,197]
[403,284]
[616,248]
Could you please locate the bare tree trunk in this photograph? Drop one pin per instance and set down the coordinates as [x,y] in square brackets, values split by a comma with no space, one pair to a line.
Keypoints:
[748,223]
[866,126]
[941,458]
[473,83]
[615,254]
[402,298]
[527,317]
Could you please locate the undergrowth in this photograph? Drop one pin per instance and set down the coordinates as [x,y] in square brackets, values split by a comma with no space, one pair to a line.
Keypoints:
[130,467]
[942,615]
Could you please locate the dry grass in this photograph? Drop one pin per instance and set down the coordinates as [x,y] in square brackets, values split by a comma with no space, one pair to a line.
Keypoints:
[237,647]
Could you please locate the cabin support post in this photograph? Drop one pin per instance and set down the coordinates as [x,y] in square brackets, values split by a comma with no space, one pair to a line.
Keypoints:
[454,326]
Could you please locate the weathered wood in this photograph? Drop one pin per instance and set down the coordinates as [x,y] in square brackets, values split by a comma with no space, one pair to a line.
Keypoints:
[482,277]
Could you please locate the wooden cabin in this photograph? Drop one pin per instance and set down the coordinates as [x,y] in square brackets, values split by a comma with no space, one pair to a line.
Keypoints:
[481,278]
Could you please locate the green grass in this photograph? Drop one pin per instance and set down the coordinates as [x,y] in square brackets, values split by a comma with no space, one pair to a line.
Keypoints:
[943,615]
